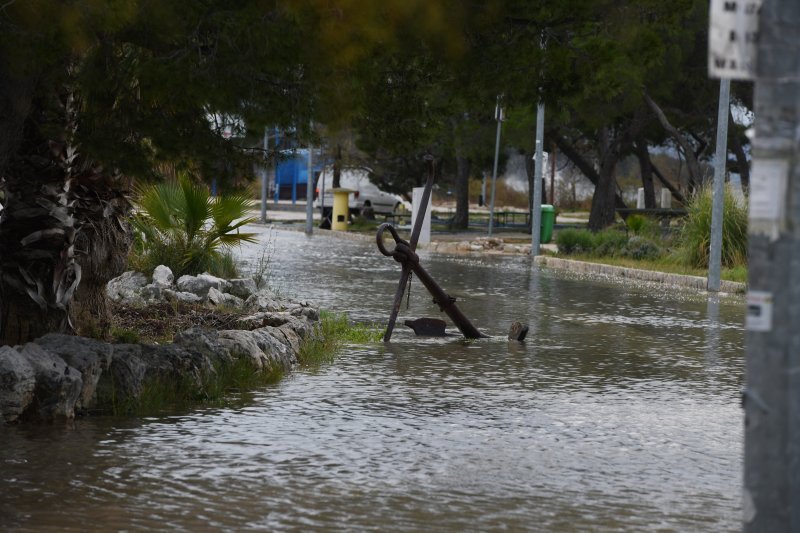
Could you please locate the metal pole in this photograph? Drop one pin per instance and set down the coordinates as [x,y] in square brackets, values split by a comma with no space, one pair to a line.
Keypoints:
[771,499]
[536,211]
[498,114]
[310,190]
[264,178]
[717,214]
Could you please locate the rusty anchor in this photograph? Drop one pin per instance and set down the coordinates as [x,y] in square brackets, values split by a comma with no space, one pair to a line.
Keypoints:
[404,253]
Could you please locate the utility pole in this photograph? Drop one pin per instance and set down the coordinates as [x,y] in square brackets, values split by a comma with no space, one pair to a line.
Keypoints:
[310,186]
[499,115]
[536,208]
[717,205]
[264,177]
[771,499]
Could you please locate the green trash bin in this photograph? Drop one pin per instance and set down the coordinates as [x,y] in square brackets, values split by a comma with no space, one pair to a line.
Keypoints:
[548,221]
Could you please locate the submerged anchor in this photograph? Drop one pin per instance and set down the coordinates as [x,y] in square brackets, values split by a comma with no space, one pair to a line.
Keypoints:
[404,253]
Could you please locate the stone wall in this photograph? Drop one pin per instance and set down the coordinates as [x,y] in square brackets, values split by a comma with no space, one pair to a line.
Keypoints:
[60,376]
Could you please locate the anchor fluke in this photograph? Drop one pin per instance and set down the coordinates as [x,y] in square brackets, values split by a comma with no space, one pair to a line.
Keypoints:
[428,327]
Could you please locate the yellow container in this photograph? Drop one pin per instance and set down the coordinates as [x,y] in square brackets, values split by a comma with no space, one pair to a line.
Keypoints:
[340,209]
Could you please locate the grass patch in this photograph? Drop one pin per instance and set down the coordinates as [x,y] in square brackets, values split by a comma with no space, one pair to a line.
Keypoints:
[664,264]
[336,330]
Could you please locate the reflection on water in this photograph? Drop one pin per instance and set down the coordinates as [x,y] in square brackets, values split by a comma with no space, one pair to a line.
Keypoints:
[620,411]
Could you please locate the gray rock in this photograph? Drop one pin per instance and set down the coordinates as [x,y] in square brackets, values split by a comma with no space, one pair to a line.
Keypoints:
[125,377]
[58,385]
[163,276]
[17,383]
[152,292]
[264,318]
[228,300]
[200,285]
[311,313]
[126,286]
[221,284]
[183,297]
[276,346]
[89,356]
[242,287]
[204,342]
[242,344]
[264,301]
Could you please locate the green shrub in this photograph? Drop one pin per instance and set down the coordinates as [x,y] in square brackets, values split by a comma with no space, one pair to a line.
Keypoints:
[608,243]
[695,236]
[574,241]
[181,226]
[641,248]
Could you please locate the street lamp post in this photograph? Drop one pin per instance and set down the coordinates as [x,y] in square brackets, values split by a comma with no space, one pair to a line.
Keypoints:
[499,115]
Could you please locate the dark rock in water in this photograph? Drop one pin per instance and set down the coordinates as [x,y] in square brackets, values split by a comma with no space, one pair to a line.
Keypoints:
[58,385]
[17,382]
[517,332]
[89,356]
[428,327]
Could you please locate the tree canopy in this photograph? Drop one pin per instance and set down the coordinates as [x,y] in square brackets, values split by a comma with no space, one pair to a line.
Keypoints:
[94,92]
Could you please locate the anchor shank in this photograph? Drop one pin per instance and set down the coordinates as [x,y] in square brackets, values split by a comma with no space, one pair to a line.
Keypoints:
[444,301]
[398,301]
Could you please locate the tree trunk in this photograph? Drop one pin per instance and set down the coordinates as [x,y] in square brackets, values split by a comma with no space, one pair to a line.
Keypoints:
[647,173]
[461,218]
[695,174]
[38,272]
[605,214]
[337,167]
[603,210]
[741,158]
[101,246]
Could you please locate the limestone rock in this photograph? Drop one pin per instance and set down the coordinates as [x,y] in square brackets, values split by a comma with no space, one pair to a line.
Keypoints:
[200,285]
[242,287]
[183,297]
[125,376]
[242,344]
[204,342]
[58,385]
[163,276]
[228,300]
[263,301]
[17,383]
[125,287]
[89,356]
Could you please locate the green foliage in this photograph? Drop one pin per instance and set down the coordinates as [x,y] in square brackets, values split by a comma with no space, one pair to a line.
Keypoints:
[181,226]
[574,241]
[336,330]
[641,248]
[608,242]
[695,237]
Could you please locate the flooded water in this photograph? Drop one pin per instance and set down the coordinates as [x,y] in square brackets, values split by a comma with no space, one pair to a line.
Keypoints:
[619,412]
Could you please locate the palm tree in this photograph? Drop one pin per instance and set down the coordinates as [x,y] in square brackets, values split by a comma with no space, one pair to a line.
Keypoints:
[182,226]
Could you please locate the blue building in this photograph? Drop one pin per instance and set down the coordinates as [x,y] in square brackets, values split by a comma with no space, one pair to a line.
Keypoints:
[291,175]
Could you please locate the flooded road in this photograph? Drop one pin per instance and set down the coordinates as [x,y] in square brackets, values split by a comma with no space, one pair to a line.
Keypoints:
[619,412]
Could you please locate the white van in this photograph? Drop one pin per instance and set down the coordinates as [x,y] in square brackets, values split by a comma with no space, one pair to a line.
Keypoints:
[366,194]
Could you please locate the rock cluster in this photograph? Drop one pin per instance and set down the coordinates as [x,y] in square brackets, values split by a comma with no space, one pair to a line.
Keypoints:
[59,376]
[482,244]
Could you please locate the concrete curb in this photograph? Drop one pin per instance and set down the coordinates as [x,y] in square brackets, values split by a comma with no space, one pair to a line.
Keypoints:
[692,282]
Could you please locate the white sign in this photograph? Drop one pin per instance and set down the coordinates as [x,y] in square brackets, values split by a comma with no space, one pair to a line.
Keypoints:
[759,311]
[769,182]
[733,38]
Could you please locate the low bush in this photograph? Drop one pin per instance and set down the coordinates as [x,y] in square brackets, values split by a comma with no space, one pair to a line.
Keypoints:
[695,236]
[641,248]
[609,243]
[574,241]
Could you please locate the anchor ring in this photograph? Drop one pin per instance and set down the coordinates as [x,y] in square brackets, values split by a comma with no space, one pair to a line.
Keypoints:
[386,226]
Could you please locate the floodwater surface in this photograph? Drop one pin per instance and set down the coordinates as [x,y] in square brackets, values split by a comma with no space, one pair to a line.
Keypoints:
[619,412]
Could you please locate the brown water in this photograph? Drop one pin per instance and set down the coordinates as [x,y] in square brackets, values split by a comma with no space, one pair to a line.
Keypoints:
[620,412]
